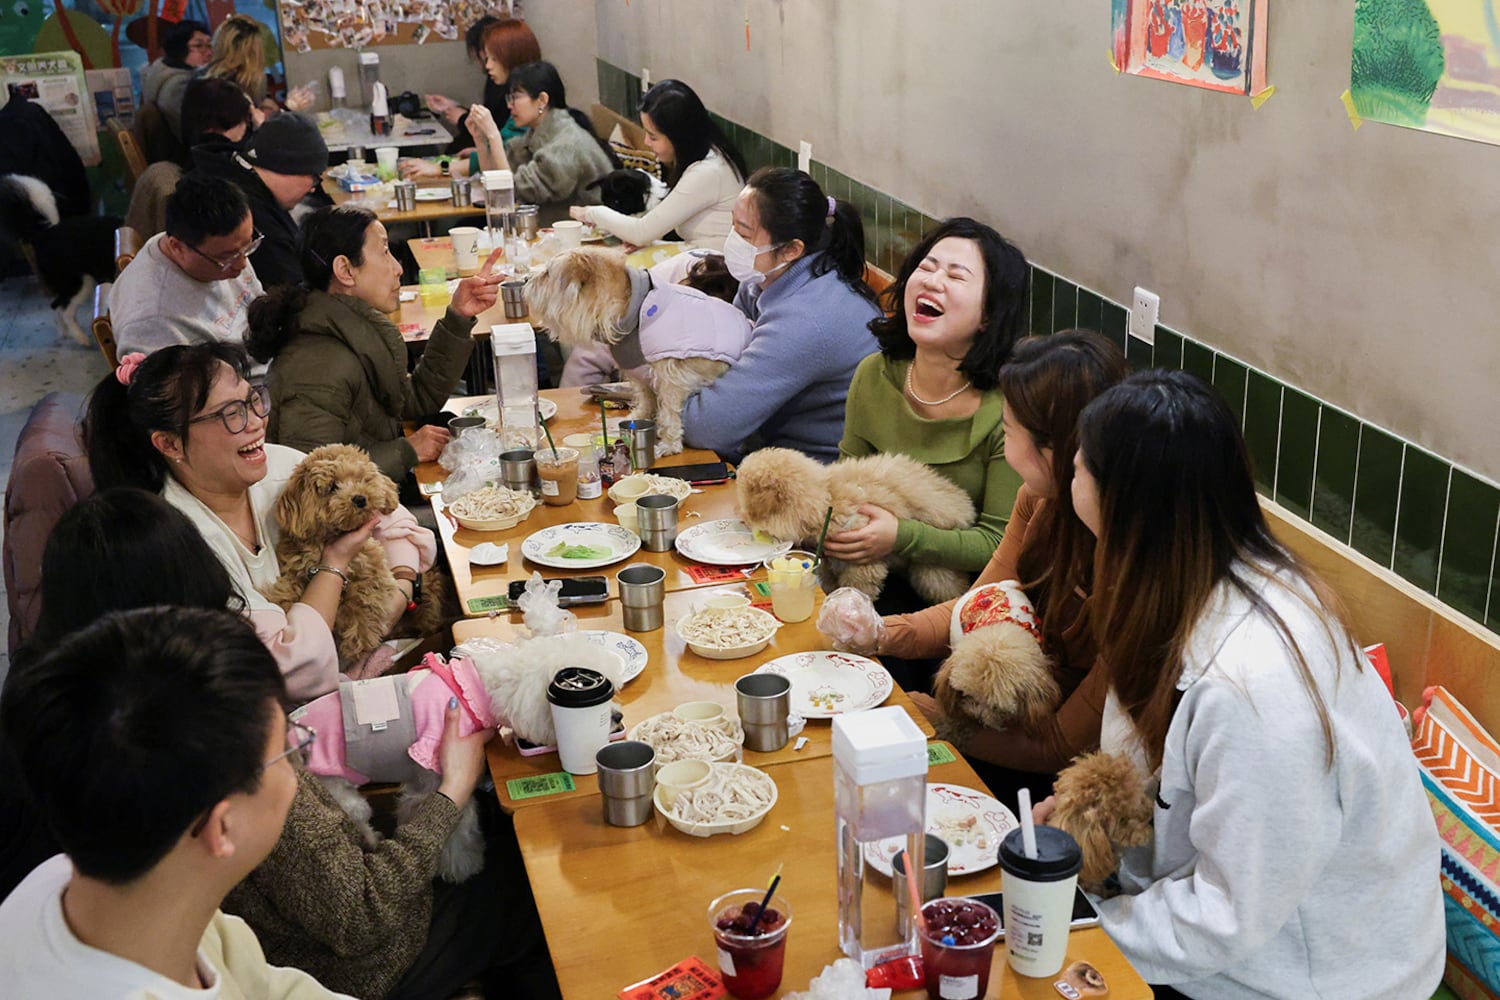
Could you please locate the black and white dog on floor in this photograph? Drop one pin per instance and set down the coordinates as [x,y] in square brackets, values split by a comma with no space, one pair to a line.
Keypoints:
[72,254]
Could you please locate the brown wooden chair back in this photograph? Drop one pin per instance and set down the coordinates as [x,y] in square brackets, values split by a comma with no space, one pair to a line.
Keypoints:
[130,148]
[104,332]
[157,141]
[127,245]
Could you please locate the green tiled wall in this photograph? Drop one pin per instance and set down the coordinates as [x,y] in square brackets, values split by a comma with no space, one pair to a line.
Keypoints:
[1411,511]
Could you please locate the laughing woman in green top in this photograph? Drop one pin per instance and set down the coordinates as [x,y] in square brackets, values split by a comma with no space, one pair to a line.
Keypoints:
[954,313]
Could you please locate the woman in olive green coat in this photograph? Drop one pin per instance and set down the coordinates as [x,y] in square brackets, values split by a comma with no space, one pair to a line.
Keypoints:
[338,362]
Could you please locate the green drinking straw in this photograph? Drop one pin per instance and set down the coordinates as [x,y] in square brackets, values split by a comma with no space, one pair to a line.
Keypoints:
[824,535]
[604,424]
[554,447]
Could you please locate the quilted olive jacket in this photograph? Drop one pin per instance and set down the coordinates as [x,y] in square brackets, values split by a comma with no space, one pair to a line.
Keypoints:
[342,379]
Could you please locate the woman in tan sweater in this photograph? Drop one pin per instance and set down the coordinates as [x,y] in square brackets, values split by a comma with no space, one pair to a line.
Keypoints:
[1046,384]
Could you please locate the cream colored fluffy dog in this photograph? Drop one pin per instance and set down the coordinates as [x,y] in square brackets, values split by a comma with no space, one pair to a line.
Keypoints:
[997,675]
[1103,800]
[785,494]
[335,490]
[683,337]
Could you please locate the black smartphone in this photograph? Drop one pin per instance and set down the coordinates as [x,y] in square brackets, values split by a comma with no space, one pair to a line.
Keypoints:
[705,474]
[620,392]
[575,590]
[1084,914]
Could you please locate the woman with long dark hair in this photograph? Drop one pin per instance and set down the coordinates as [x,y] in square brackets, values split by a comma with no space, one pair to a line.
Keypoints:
[799,256]
[953,314]
[704,174]
[1046,384]
[1291,830]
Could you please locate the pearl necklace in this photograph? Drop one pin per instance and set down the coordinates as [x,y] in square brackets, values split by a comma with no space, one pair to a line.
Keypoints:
[930,402]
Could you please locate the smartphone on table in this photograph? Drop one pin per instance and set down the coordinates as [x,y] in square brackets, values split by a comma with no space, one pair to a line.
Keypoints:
[703,474]
[575,590]
[1084,914]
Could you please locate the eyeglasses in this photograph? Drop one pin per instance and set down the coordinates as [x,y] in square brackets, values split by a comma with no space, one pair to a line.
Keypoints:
[201,46]
[236,415]
[299,736]
[236,257]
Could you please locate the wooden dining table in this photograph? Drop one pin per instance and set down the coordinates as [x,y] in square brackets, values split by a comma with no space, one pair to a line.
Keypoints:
[621,904]
[576,413]
[384,206]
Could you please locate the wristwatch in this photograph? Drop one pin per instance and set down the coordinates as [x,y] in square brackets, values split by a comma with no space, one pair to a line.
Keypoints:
[444,165]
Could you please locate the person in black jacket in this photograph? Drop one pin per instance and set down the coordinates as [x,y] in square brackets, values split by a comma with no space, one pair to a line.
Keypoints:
[281,164]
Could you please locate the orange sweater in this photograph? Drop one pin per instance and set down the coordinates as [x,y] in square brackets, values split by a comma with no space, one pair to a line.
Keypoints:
[1075,727]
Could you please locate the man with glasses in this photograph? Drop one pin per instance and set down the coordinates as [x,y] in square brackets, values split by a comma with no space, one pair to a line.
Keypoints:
[153,743]
[192,283]
[283,162]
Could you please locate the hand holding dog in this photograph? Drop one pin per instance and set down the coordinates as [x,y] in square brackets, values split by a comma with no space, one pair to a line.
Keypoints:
[477,293]
[342,549]
[873,541]
[461,757]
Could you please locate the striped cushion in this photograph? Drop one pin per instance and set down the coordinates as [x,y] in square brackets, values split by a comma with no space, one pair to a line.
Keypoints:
[1460,763]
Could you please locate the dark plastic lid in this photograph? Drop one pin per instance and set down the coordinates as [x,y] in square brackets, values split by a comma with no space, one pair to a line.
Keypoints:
[1057,855]
[579,687]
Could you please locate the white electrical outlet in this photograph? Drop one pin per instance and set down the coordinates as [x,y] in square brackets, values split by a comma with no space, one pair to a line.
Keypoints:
[645,79]
[804,156]
[1144,309]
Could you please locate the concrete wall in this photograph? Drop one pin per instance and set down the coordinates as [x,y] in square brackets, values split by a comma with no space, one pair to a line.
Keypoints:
[1356,265]
[564,27]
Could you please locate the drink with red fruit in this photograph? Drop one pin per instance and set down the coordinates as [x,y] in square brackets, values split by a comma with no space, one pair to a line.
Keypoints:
[750,960]
[958,945]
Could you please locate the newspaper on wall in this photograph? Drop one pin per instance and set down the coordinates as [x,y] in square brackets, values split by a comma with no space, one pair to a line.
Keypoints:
[55,81]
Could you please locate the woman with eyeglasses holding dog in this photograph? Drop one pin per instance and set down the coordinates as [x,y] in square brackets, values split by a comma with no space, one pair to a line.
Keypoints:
[799,257]
[1046,384]
[703,170]
[1291,833]
[369,920]
[186,423]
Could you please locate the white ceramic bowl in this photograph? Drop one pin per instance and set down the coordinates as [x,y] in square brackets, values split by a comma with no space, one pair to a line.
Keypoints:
[677,777]
[635,486]
[716,652]
[726,826]
[527,504]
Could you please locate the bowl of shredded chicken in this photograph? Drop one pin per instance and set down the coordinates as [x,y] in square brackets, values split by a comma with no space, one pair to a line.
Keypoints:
[735,799]
[674,738]
[492,508]
[727,633]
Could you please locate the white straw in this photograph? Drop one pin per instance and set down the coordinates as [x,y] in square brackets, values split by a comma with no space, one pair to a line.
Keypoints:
[1028,829]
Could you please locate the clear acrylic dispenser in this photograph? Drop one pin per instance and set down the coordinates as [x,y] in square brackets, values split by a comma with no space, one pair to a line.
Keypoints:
[515,384]
[880,791]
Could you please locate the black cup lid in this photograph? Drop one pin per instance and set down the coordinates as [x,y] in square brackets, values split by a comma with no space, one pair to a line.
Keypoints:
[1057,855]
[579,687]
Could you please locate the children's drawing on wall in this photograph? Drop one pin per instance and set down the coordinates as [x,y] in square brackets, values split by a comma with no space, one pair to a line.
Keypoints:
[1429,64]
[1215,44]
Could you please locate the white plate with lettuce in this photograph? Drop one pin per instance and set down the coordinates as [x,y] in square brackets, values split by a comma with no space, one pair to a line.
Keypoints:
[585,545]
[728,542]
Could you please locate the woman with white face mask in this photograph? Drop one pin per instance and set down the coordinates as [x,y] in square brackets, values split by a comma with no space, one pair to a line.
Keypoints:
[800,259]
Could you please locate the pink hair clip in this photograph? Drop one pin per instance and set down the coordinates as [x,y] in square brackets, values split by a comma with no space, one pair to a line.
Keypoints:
[128,364]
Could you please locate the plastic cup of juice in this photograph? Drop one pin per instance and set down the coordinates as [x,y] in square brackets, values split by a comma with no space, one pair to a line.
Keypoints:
[750,963]
[958,947]
[434,286]
[794,584]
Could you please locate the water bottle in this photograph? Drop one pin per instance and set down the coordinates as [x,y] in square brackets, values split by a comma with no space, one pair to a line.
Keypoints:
[499,205]
[515,384]
[879,791]
[369,76]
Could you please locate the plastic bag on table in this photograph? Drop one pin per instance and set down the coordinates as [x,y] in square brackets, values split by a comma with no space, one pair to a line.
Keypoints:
[472,460]
[848,617]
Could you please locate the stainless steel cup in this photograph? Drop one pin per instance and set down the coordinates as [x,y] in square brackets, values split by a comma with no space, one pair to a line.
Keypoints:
[513,295]
[764,701]
[518,471]
[627,777]
[934,879]
[640,435]
[406,195]
[526,221]
[462,193]
[656,517]
[643,587]
[458,425]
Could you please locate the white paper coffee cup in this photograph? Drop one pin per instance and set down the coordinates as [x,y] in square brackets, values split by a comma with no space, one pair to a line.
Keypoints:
[1039,899]
[465,249]
[580,702]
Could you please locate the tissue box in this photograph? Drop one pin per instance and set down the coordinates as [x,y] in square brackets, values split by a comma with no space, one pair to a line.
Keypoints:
[355,183]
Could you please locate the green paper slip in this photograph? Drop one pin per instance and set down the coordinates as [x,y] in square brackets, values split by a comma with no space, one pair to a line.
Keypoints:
[937,754]
[540,785]
[482,605]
